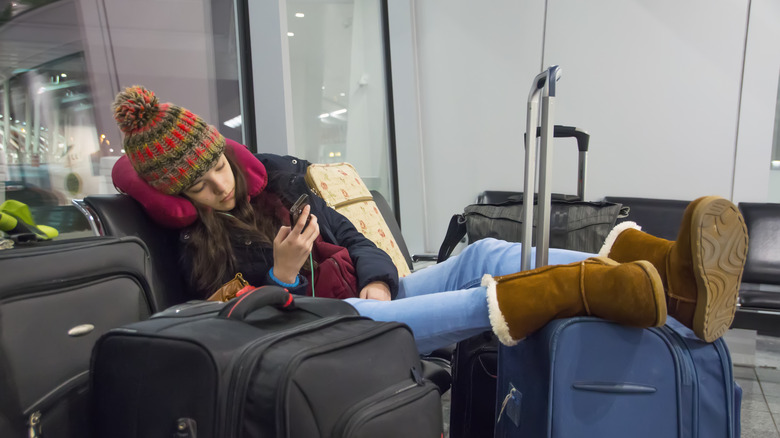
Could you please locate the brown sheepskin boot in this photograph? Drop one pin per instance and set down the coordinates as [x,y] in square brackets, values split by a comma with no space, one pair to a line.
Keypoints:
[701,270]
[629,293]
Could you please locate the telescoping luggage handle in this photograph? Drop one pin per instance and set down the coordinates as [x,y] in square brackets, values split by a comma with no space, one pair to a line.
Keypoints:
[583,140]
[543,87]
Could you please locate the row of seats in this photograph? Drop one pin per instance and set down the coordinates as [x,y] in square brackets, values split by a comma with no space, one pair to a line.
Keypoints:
[759,297]
[119,215]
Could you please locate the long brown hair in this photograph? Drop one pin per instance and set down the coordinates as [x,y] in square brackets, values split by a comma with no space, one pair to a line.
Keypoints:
[213,259]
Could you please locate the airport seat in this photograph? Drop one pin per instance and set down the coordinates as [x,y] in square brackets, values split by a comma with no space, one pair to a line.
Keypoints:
[759,295]
[121,215]
[659,217]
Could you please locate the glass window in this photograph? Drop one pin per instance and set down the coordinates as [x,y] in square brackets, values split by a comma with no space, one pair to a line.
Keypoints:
[339,86]
[61,64]
[774,172]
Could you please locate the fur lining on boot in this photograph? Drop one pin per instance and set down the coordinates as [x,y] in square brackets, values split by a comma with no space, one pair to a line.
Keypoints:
[613,235]
[497,321]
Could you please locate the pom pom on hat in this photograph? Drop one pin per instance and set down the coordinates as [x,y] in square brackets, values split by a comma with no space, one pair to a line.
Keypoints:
[168,146]
[135,108]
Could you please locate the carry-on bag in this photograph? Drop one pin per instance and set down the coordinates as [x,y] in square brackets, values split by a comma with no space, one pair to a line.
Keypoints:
[56,299]
[262,365]
[574,223]
[474,368]
[587,377]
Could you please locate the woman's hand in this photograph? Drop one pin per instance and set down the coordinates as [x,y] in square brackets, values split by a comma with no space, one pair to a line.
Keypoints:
[376,290]
[293,245]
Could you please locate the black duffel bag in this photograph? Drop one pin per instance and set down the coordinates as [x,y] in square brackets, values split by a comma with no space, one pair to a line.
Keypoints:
[574,224]
[262,365]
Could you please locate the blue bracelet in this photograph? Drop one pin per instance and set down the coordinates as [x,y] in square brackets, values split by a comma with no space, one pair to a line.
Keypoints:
[281,283]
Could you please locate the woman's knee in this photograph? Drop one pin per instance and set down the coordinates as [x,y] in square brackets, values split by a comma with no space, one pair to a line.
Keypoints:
[489,244]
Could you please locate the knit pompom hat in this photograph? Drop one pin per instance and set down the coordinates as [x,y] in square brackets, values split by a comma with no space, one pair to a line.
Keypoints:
[169,146]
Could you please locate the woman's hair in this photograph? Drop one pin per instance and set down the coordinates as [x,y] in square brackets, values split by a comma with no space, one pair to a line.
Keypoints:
[213,259]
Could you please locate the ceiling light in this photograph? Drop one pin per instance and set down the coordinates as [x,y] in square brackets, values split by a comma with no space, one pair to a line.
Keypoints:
[343,94]
[299,14]
[63,75]
[775,165]
[331,155]
[290,34]
[337,112]
[324,115]
[235,122]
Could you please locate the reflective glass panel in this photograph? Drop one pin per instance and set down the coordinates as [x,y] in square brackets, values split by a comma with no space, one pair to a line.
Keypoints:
[339,88]
[61,64]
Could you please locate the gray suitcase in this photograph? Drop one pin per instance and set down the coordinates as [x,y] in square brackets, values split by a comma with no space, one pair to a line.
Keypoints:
[56,299]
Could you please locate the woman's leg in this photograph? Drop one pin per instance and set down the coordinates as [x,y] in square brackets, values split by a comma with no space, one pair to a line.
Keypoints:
[437,320]
[464,271]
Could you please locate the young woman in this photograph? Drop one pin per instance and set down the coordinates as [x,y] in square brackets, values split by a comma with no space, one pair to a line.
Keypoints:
[240,223]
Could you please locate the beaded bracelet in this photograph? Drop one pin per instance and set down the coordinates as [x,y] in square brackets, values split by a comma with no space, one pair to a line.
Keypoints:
[281,283]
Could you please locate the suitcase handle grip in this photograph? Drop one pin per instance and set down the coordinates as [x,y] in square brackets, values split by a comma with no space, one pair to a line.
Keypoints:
[240,307]
[561,131]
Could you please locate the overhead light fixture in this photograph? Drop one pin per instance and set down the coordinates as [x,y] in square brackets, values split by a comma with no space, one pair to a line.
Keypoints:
[343,94]
[337,112]
[299,14]
[324,115]
[290,34]
[775,165]
[63,75]
[235,122]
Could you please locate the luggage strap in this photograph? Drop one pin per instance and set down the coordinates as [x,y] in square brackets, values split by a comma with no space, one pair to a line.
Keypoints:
[455,231]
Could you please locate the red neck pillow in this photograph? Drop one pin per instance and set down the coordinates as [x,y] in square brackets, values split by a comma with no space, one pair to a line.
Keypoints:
[177,211]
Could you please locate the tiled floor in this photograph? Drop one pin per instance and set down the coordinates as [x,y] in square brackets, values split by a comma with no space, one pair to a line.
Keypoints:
[761,390]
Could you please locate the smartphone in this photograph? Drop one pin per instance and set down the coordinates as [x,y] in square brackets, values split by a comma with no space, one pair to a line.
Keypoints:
[297,209]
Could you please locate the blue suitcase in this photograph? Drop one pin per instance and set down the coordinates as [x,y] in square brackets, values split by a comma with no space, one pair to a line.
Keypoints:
[586,377]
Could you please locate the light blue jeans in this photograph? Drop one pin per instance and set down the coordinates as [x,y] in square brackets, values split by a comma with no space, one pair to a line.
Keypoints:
[445,303]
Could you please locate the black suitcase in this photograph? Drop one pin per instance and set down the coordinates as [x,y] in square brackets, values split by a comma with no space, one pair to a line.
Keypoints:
[474,379]
[262,365]
[56,299]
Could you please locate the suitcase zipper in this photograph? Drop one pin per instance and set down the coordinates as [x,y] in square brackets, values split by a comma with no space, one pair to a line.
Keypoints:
[298,358]
[236,395]
[725,359]
[34,413]
[690,377]
[34,425]
[62,286]
[383,401]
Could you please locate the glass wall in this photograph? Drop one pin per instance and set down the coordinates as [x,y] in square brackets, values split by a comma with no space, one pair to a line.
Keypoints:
[61,64]
[774,173]
[339,86]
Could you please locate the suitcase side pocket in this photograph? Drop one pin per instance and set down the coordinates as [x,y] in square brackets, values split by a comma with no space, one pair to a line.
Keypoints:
[398,411]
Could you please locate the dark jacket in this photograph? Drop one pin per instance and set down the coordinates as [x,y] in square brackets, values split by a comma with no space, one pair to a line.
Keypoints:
[286,177]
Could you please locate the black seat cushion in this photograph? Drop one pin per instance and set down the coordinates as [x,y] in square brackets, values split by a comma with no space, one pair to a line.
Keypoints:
[763,257]
[392,224]
[659,217]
